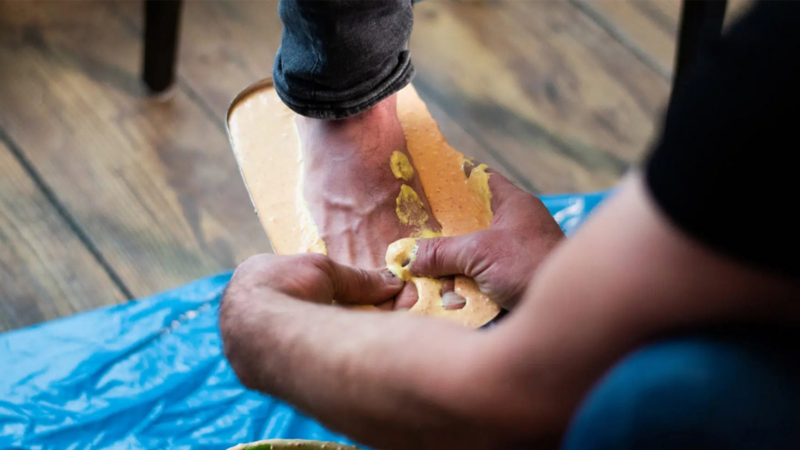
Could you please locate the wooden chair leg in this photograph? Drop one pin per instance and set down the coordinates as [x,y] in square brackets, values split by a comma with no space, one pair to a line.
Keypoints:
[161,24]
[700,28]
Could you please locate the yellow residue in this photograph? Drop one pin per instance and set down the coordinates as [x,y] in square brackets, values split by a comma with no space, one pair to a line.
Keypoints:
[427,234]
[399,257]
[401,253]
[401,166]
[478,185]
[410,209]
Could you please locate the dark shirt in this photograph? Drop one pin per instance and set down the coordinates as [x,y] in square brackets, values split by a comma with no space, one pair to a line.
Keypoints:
[722,170]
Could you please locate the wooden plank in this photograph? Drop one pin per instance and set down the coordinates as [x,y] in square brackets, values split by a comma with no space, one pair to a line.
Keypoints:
[552,93]
[152,182]
[648,27]
[45,270]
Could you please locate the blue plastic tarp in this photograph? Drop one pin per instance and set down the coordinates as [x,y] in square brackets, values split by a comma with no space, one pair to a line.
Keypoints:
[150,374]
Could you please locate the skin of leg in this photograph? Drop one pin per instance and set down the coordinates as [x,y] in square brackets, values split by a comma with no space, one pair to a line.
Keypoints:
[351,190]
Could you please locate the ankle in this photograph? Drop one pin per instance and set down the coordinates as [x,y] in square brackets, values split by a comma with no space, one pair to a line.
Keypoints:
[379,116]
[374,132]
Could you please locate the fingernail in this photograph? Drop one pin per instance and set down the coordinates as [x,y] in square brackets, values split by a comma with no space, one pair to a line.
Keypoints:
[391,279]
[402,309]
[451,300]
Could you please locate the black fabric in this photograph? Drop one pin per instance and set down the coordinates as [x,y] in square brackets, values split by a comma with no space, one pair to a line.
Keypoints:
[340,57]
[724,169]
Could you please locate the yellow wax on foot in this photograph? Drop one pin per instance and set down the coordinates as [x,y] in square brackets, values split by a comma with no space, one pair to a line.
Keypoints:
[401,166]
[410,209]
[478,185]
[399,257]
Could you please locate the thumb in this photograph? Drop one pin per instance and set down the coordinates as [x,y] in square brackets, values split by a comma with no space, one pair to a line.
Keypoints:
[354,285]
[500,186]
[503,191]
[443,256]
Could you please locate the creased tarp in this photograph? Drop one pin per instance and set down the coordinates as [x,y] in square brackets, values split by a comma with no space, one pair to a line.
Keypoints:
[150,374]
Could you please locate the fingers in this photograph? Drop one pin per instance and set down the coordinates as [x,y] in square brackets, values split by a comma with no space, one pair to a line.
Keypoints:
[448,284]
[407,297]
[354,285]
[451,300]
[388,305]
[443,256]
[513,206]
[503,190]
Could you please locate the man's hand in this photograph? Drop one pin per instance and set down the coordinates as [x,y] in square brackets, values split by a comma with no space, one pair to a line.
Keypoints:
[266,286]
[503,258]
[315,278]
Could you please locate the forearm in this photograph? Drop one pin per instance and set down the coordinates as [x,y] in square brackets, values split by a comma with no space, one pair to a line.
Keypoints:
[388,380]
[626,278]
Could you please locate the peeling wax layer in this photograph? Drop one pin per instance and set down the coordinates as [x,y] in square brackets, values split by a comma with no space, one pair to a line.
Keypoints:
[400,256]
[410,210]
[401,166]
[461,206]
[266,146]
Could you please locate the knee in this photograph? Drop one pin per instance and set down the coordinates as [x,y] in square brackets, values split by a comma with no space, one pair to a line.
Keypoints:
[692,393]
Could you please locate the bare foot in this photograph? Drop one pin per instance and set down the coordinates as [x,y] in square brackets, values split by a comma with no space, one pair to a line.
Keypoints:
[351,190]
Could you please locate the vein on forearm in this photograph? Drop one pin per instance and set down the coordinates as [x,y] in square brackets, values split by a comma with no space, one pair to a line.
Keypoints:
[381,368]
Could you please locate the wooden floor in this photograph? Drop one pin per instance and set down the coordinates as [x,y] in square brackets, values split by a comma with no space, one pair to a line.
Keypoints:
[108,195]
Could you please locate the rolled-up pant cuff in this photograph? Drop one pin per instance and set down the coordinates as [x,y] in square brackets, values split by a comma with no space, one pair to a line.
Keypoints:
[350,107]
[340,58]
